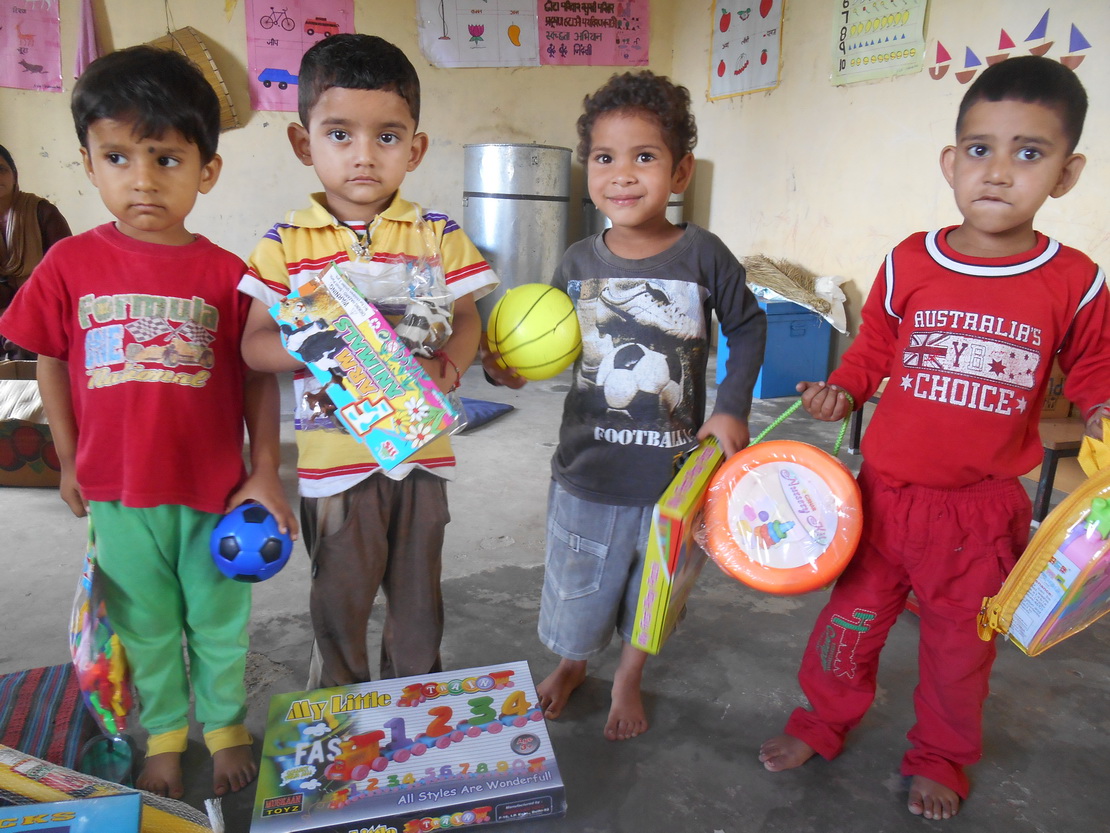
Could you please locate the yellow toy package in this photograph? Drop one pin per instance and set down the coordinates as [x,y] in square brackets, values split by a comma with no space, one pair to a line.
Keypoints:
[674,560]
[1061,583]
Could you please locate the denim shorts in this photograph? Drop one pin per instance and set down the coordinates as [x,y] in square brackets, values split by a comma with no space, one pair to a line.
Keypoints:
[592,570]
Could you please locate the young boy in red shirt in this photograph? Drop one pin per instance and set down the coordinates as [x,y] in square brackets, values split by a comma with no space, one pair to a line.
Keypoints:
[965,321]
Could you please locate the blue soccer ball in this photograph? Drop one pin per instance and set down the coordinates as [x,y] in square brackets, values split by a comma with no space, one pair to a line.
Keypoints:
[247,544]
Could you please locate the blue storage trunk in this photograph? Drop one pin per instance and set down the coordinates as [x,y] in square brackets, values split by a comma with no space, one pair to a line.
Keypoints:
[798,342]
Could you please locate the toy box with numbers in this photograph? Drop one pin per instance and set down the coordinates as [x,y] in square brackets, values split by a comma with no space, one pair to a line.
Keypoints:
[452,749]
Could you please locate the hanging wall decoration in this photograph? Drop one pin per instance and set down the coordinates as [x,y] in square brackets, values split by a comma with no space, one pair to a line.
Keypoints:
[31,45]
[188,42]
[1046,38]
[278,37]
[878,39]
[746,47]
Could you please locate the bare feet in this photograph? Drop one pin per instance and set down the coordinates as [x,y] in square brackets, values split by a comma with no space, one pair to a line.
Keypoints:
[556,689]
[161,775]
[932,800]
[232,769]
[784,752]
[627,717]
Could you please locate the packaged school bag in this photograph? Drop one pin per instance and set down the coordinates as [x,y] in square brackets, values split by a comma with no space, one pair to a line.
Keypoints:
[1061,583]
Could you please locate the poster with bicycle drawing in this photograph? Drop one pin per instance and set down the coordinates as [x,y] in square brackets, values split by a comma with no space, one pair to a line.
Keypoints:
[746,48]
[277,37]
[31,45]
[498,33]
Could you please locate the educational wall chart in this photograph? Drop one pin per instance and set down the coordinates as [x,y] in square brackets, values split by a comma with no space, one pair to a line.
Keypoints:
[878,39]
[518,33]
[277,37]
[1045,36]
[493,33]
[593,33]
[746,47]
[31,45]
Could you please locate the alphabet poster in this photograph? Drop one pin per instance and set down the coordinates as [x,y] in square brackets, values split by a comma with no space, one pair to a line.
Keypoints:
[746,48]
[277,37]
[31,45]
[878,39]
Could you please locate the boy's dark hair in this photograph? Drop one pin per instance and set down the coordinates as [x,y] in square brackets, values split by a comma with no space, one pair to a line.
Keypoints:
[1033,80]
[155,89]
[356,62]
[644,92]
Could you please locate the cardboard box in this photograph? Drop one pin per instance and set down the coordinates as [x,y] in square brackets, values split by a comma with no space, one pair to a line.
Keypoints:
[674,560]
[27,454]
[381,394]
[456,749]
[1055,405]
[117,813]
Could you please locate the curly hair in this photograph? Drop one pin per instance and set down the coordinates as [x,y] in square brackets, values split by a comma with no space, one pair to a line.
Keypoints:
[642,92]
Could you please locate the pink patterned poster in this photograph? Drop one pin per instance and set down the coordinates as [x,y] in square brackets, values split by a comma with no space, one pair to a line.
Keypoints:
[594,33]
[31,45]
[277,37]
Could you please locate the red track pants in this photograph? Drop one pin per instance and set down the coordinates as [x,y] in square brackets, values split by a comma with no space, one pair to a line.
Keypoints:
[951,547]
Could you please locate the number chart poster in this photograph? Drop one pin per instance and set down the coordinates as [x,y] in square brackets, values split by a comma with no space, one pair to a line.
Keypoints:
[277,37]
[499,33]
[746,47]
[31,45]
[404,754]
[878,39]
[594,33]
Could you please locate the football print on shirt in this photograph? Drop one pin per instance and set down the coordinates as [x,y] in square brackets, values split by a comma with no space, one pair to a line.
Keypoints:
[639,339]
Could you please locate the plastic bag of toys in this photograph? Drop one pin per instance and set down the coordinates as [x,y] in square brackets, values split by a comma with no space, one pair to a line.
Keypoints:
[413,294]
[102,675]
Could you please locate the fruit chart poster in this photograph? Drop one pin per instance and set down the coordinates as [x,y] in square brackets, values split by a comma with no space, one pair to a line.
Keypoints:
[493,33]
[31,45]
[878,39]
[746,48]
[277,37]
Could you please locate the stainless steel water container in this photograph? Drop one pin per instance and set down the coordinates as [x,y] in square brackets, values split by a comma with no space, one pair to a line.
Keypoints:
[593,221]
[516,204]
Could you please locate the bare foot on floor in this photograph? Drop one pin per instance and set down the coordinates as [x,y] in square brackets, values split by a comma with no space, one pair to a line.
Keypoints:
[557,687]
[627,717]
[784,752]
[931,799]
[232,769]
[161,775]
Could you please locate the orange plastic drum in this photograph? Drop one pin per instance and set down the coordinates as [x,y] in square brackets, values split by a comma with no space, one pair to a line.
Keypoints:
[783,517]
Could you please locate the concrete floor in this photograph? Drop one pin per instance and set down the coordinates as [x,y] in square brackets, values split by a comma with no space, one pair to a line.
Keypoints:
[725,681]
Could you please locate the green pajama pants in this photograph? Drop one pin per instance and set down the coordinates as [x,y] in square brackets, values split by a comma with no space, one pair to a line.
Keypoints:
[160,584]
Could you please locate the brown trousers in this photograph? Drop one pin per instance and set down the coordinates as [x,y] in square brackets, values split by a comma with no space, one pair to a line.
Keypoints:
[385,534]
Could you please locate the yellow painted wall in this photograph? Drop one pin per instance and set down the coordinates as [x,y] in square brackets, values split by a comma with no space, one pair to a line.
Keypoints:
[261,179]
[828,177]
[832,177]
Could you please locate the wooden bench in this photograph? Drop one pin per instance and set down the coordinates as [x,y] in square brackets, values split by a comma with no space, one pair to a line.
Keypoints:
[1061,437]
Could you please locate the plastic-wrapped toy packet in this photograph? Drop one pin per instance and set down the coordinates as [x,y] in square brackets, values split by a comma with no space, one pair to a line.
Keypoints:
[782,516]
[102,675]
[1061,583]
[413,295]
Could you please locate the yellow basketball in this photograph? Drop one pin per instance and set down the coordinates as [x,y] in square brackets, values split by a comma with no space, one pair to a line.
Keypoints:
[535,329]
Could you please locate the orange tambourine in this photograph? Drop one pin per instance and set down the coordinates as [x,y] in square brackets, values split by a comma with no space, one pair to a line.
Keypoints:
[783,517]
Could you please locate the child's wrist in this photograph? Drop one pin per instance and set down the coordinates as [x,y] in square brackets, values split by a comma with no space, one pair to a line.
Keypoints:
[444,361]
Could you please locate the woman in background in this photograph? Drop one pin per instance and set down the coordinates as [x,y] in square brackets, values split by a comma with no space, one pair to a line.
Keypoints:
[30,225]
